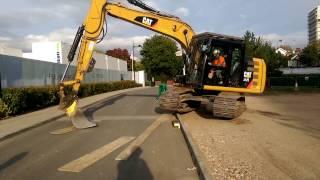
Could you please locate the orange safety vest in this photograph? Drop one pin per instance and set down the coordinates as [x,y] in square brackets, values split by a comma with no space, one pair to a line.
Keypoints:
[219,61]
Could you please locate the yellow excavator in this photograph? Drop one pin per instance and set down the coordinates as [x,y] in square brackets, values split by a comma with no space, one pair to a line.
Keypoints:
[217,73]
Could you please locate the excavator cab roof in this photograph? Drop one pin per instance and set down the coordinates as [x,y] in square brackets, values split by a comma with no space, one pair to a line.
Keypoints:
[219,37]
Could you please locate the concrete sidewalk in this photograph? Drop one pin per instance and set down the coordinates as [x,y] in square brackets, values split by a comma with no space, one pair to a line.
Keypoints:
[16,125]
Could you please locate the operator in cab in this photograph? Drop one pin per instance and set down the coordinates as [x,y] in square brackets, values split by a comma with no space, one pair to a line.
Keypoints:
[218,65]
[219,59]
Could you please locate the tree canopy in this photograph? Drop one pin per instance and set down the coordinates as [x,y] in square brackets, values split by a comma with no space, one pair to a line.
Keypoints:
[159,58]
[119,53]
[310,55]
[257,47]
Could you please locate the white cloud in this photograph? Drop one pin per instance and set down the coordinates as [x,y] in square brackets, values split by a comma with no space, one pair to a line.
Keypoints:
[243,16]
[66,35]
[150,3]
[122,42]
[182,11]
[153,4]
[2,38]
[296,39]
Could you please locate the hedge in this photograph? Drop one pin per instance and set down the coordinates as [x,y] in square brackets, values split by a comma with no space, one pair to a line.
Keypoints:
[303,80]
[14,101]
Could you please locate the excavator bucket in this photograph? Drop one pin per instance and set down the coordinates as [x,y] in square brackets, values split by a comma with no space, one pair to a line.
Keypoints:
[79,121]
[77,117]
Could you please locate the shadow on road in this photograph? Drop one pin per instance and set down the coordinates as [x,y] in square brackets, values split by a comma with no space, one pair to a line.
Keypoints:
[134,168]
[142,95]
[12,161]
[159,110]
[91,109]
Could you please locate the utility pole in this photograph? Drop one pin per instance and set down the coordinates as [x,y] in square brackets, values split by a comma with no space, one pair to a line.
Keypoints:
[0,86]
[132,64]
[280,42]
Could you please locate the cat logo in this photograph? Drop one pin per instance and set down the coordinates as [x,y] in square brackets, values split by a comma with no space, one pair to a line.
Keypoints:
[146,20]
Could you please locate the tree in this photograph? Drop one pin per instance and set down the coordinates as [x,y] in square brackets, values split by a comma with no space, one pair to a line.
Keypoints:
[310,55]
[159,58]
[119,53]
[257,47]
[139,66]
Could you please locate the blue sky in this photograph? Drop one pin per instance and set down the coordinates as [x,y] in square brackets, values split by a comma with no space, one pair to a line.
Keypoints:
[25,21]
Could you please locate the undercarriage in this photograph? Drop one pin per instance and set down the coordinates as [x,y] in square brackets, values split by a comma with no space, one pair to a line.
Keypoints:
[224,105]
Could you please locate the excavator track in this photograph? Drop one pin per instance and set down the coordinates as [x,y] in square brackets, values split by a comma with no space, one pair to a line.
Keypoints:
[228,106]
[225,105]
[175,100]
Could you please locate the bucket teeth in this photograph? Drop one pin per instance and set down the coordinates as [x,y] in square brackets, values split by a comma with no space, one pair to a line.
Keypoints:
[80,121]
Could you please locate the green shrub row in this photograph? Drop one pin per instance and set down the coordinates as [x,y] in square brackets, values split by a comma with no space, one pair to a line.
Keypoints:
[308,81]
[14,101]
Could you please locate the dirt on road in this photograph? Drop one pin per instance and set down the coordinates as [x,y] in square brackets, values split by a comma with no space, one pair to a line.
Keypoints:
[278,137]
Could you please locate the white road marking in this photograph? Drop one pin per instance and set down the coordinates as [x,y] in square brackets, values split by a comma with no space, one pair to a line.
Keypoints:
[125,154]
[89,159]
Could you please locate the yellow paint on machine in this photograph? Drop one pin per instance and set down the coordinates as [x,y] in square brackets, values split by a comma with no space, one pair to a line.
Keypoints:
[258,87]
[89,159]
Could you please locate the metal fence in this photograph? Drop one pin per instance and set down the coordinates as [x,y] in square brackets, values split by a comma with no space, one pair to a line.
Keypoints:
[307,81]
[21,72]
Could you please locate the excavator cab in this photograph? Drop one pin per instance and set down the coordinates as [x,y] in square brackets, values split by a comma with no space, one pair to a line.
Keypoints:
[219,73]
[219,64]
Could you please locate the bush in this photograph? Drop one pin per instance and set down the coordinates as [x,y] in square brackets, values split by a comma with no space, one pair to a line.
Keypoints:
[290,80]
[4,111]
[19,100]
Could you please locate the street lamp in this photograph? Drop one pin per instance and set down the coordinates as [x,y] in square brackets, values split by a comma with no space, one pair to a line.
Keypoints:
[132,63]
[280,41]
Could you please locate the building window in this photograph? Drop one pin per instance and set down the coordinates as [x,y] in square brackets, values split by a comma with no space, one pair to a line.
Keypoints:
[58,57]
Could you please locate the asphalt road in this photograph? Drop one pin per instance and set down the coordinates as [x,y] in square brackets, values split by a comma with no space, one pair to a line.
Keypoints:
[37,154]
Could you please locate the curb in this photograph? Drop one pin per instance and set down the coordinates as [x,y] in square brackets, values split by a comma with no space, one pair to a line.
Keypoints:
[195,153]
[30,127]
[20,131]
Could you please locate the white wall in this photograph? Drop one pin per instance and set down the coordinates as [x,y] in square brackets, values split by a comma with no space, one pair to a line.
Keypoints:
[112,63]
[65,51]
[100,60]
[47,51]
[116,64]
[10,51]
[140,78]
[27,55]
[123,65]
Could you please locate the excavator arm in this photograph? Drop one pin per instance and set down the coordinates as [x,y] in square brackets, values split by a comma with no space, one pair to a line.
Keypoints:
[92,31]
[162,23]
